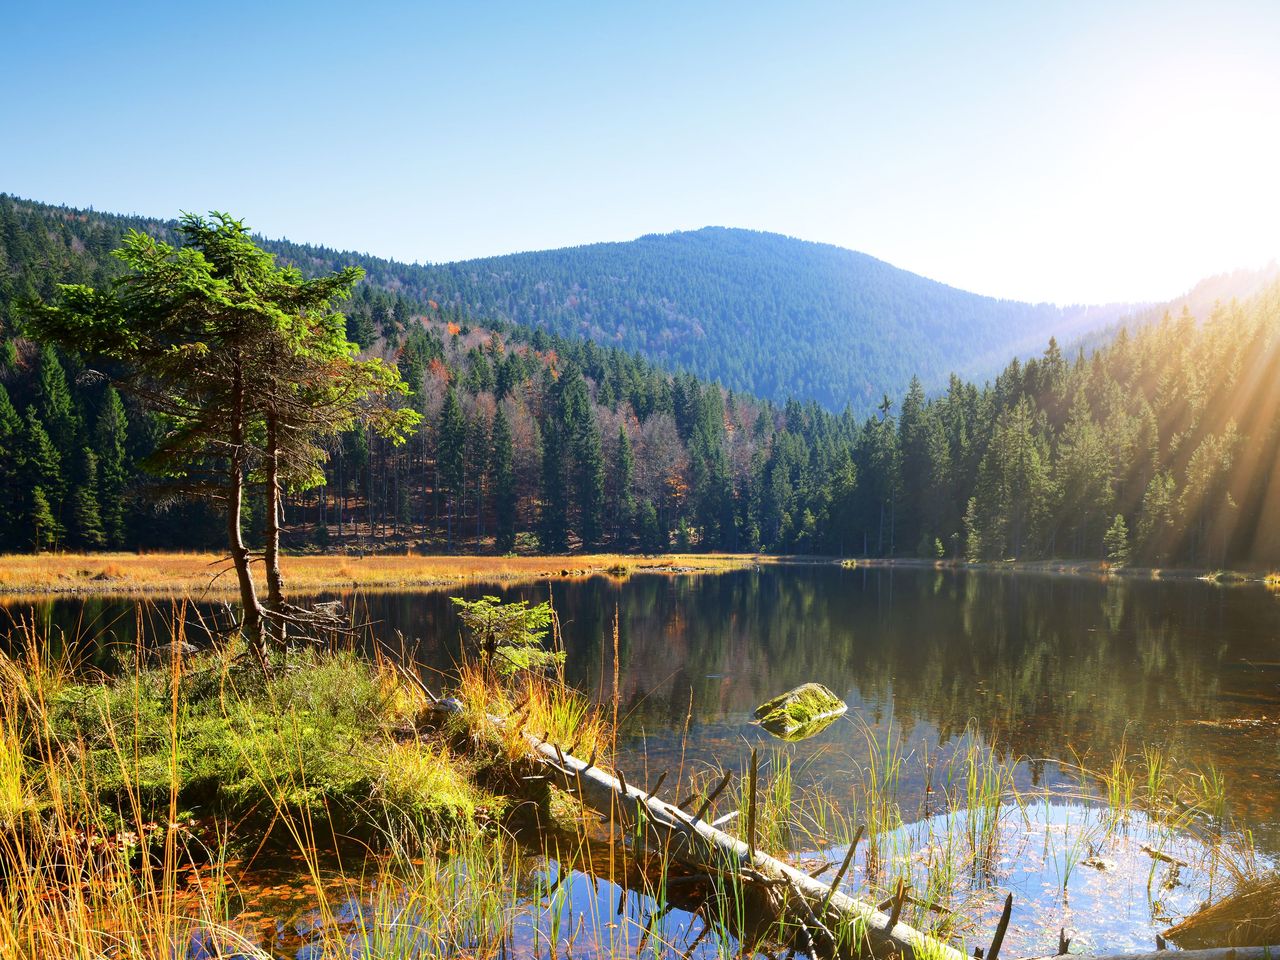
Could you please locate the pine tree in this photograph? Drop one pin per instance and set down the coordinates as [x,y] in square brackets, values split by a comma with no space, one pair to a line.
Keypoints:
[624,501]
[54,404]
[44,529]
[504,482]
[588,460]
[86,518]
[110,436]
[451,452]
[1116,542]
[11,467]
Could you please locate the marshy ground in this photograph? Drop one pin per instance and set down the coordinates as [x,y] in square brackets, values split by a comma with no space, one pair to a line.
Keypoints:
[207,574]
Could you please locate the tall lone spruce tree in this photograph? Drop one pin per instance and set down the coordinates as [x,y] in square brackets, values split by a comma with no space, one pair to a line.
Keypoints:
[245,362]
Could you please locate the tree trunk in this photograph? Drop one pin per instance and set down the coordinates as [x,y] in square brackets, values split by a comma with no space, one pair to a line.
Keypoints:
[271,553]
[251,617]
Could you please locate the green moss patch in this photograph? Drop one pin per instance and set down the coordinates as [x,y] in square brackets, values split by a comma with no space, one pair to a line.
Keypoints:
[801,712]
[329,738]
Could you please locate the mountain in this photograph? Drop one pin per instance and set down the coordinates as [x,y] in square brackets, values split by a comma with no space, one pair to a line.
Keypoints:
[760,312]
[763,314]
[1200,301]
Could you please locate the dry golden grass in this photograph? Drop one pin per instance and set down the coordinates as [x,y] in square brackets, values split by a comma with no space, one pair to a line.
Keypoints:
[1248,916]
[203,574]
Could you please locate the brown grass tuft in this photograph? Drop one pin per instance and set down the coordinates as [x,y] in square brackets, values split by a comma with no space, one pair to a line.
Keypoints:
[1249,916]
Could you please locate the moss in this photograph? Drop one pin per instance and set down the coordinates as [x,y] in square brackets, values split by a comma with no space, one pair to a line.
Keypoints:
[323,738]
[801,712]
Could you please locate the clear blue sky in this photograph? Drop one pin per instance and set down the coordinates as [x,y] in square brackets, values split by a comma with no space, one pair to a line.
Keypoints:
[1046,151]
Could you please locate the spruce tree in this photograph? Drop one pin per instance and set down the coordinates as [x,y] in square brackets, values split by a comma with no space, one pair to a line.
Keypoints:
[451,452]
[553,526]
[54,403]
[110,436]
[42,467]
[245,360]
[624,501]
[652,537]
[86,518]
[589,479]
[504,482]
[1116,542]
[44,530]
[11,462]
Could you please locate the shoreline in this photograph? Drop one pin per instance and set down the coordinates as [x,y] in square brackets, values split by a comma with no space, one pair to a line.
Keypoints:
[1094,569]
[207,575]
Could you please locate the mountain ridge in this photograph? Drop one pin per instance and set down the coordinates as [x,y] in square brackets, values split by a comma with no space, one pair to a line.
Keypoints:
[870,326]
[760,312]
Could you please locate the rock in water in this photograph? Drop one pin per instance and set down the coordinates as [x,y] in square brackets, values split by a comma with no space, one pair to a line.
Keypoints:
[800,713]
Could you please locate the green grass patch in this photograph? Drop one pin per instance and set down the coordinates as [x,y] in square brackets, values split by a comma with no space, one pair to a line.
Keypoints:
[329,737]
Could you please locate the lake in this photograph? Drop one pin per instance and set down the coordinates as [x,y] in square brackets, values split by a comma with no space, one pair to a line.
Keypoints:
[1046,672]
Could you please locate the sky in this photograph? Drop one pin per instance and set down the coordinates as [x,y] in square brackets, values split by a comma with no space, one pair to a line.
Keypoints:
[1071,152]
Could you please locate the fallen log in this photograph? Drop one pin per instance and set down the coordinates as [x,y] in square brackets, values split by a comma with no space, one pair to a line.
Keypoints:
[815,908]
[819,907]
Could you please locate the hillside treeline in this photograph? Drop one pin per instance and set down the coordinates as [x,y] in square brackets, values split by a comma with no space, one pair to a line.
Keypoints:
[757,312]
[1158,448]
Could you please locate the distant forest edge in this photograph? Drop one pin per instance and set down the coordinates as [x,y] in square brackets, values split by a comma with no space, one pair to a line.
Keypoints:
[1159,447]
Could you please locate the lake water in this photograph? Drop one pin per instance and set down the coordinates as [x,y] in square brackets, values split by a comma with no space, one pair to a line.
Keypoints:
[1045,671]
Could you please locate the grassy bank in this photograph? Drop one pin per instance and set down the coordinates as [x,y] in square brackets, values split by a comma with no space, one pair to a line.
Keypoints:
[203,575]
[132,804]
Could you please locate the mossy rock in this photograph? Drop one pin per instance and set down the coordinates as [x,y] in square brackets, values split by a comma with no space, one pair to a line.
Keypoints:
[801,713]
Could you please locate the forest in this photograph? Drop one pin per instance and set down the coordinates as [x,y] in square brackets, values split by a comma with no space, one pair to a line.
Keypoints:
[1157,448]
[760,313]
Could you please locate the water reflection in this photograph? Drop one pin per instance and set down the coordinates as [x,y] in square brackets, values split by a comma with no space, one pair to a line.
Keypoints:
[1048,667]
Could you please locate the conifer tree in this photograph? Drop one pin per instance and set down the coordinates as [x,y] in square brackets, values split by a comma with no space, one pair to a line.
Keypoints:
[588,460]
[42,467]
[11,460]
[451,452]
[244,359]
[1116,542]
[504,486]
[86,519]
[1082,481]
[44,529]
[553,525]
[54,403]
[110,437]
[624,501]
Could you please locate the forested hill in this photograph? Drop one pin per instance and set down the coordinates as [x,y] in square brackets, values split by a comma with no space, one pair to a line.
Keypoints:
[761,313]
[771,315]
[1160,447]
